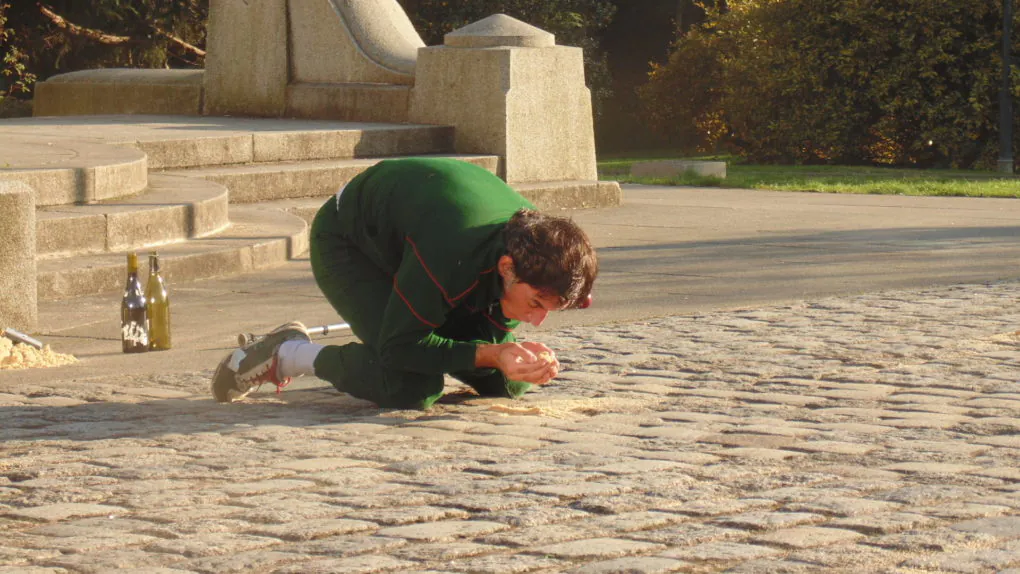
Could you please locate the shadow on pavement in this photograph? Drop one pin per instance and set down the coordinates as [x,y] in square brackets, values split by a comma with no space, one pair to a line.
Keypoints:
[152,418]
[196,414]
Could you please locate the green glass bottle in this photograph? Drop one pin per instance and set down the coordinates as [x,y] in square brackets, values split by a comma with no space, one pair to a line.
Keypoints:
[134,319]
[157,304]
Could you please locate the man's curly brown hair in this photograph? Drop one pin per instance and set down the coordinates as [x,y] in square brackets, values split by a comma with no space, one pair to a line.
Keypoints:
[553,255]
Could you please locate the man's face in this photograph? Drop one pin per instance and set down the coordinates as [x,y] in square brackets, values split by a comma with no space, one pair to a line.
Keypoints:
[524,303]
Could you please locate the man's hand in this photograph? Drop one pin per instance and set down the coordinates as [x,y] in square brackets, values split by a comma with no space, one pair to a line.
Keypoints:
[527,362]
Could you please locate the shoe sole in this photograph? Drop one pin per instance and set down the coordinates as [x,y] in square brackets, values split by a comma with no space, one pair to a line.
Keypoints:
[224,383]
[225,386]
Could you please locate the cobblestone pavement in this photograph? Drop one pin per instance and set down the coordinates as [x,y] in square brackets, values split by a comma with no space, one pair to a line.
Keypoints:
[878,433]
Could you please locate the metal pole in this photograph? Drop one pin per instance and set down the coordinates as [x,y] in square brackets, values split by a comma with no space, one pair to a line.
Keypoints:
[20,338]
[327,329]
[245,338]
[1005,97]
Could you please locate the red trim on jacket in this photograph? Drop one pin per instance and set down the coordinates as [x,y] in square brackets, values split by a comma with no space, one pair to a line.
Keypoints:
[450,301]
[410,307]
[446,296]
[426,267]
[468,290]
[496,323]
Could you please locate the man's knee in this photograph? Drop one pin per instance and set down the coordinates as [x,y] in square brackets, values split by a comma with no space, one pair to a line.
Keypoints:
[404,390]
[356,369]
[492,383]
[418,399]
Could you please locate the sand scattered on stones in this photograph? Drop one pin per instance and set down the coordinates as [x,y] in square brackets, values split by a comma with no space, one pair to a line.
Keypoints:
[1009,337]
[516,410]
[20,356]
[570,409]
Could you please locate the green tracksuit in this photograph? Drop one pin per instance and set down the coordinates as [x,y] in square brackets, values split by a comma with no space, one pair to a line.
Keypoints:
[407,255]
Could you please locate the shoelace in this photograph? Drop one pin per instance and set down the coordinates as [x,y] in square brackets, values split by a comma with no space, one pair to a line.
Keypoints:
[270,377]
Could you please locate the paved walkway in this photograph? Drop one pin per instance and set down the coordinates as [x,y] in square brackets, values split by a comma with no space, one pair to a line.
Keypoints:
[823,396]
[874,433]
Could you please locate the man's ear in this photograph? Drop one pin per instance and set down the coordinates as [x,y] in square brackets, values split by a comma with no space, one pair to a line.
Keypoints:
[505,265]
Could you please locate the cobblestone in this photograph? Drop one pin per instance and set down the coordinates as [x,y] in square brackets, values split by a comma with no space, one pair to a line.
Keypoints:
[722,552]
[632,565]
[770,520]
[1007,527]
[597,548]
[875,433]
[807,537]
[970,561]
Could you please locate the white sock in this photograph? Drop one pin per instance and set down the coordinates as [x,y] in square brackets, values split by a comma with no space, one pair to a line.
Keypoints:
[297,358]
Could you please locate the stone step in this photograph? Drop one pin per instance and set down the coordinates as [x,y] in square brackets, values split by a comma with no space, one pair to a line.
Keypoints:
[257,238]
[176,142]
[287,140]
[545,196]
[303,207]
[171,209]
[259,182]
[571,194]
[63,170]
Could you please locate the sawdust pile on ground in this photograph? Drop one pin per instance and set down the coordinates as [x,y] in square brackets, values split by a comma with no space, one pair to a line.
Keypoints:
[1009,337]
[20,356]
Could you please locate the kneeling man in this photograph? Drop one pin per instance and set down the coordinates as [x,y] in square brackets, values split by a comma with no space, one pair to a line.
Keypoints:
[433,263]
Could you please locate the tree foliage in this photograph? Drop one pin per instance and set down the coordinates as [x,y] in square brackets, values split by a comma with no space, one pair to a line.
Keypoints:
[41,39]
[907,82]
[15,77]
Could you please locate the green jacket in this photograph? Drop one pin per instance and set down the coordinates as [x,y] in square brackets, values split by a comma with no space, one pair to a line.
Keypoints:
[436,226]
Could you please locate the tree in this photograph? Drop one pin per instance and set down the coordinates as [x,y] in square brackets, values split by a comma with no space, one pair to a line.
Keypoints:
[906,82]
[48,38]
[15,77]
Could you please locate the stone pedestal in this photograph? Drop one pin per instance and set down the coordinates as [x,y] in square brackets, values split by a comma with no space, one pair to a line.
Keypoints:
[17,257]
[508,90]
[121,91]
[246,71]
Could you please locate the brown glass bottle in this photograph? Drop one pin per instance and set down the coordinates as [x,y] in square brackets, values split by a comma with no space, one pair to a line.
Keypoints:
[157,304]
[134,320]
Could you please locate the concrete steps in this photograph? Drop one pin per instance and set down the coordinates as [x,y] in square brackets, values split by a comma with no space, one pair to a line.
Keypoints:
[258,182]
[289,140]
[171,209]
[570,194]
[215,196]
[63,171]
[257,238]
[575,194]
[112,184]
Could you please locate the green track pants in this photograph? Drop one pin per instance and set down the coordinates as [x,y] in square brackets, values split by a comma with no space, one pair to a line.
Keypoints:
[360,291]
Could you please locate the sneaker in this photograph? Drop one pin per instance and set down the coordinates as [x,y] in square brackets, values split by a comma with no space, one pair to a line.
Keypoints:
[254,364]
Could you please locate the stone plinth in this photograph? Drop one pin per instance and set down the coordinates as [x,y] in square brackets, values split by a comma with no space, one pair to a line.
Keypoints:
[509,90]
[17,257]
[246,70]
[120,91]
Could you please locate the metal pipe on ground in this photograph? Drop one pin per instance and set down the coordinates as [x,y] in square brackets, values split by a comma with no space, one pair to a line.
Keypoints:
[245,338]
